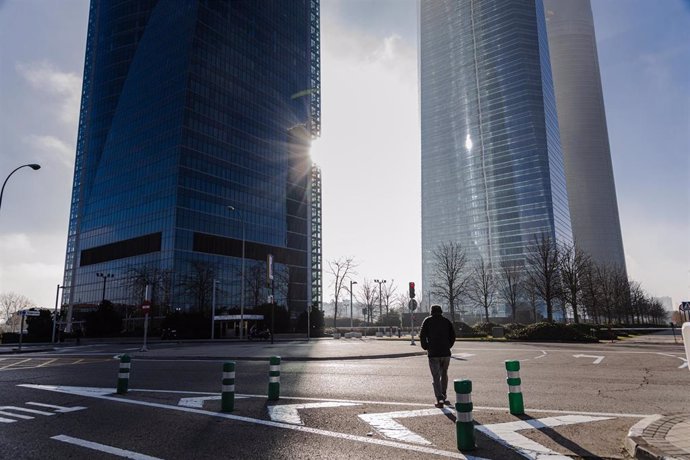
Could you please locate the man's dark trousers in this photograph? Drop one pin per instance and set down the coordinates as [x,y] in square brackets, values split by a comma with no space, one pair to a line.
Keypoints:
[439,374]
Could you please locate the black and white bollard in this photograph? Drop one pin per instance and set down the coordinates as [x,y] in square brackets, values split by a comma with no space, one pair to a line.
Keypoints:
[228,389]
[274,379]
[123,374]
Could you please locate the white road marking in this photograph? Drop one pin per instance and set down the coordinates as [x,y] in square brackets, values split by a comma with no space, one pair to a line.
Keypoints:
[506,434]
[103,448]
[543,353]
[597,359]
[60,409]
[14,364]
[363,439]
[50,361]
[4,409]
[287,413]
[199,401]
[685,361]
[388,427]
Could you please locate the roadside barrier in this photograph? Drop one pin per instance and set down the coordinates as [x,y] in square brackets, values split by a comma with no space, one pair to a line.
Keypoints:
[228,388]
[464,426]
[274,379]
[123,374]
[515,401]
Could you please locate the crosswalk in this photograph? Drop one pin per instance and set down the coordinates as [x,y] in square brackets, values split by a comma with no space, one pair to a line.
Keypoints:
[14,363]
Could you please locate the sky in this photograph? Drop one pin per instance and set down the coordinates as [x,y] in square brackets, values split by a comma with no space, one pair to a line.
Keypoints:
[369,150]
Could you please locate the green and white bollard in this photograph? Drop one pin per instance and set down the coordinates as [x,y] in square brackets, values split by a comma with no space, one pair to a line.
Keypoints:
[517,407]
[274,379]
[228,390]
[464,426]
[123,374]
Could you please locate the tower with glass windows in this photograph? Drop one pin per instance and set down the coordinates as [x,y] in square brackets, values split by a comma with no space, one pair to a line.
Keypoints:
[584,135]
[193,149]
[492,166]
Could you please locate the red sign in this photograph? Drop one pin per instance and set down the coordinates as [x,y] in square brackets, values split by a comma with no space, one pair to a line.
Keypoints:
[146,306]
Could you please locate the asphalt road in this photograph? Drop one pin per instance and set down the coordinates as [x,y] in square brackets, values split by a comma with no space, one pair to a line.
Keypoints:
[580,401]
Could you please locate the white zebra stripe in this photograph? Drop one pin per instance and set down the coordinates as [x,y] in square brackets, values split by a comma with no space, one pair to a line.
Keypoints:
[229,375]
[274,379]
[275,367]
[228,388]
[514,389]
[125,365]
[513,374]
[123,375]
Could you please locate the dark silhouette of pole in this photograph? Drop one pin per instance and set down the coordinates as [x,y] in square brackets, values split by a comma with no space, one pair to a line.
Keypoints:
[105,277]
[33,166]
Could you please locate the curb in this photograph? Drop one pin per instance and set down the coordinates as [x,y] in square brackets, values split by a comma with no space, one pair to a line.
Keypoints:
[637,446]
[294,358]
[14,351]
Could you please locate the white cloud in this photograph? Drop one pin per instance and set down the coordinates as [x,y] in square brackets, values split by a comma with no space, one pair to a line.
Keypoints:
[54,147]
[65,87]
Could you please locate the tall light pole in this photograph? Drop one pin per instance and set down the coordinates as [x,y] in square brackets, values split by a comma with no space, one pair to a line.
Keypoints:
[33,166]
[105,277]
[351,323]
[213,311]
[380,283]
[232,208]
[55,314]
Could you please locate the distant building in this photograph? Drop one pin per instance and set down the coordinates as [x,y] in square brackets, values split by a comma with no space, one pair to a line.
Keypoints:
[584,136]
[492,168]
[667,303]
[189,107]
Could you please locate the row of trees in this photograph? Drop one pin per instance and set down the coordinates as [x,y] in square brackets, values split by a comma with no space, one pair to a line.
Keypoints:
[556,277]
[560,277]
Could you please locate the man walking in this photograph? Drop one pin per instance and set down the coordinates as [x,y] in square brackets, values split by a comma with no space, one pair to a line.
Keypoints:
[437,338]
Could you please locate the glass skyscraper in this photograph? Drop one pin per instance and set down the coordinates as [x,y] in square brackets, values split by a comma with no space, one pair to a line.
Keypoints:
[584,136]
[492,168]
[194,134]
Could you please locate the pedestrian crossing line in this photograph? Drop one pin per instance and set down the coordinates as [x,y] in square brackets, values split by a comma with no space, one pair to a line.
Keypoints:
[14,364]
[47,362]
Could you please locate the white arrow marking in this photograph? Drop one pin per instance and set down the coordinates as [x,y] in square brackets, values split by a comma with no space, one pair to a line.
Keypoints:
[597,360]
[384,424]
[685,361]
[302,429]
[287,413]
[103,448]
[463,355]
[61,409]
[199,401]
[81,391]
[506,434]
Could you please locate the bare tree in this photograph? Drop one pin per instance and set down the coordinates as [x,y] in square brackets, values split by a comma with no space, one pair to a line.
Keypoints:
[11,303]
[449,280]
[531,295]
[255,279]
[368,294]
[542,258]
[160,286]
[387,294]
[341,269]
[510,285]
[199,284]
[591,295]
[481,287]
[572,262]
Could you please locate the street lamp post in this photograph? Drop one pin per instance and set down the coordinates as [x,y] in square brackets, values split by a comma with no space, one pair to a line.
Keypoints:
[351,323]
[213,311]
[55,314]
[33,166]
[105,277]
[232,208]
[380,283]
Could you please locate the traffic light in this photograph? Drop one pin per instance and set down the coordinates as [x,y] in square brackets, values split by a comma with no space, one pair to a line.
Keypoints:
[412,294]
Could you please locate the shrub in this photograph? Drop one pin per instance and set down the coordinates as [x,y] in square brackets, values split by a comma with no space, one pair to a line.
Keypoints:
[546,331]
[510,327]
[484,328]
[465,330]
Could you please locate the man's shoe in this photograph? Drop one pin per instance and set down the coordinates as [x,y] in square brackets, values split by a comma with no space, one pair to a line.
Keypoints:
[439,404]
[446,402]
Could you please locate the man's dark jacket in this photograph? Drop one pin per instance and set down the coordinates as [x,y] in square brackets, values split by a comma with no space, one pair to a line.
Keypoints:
[437,336]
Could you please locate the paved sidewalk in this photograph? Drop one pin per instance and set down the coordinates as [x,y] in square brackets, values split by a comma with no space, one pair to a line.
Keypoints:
[660,437]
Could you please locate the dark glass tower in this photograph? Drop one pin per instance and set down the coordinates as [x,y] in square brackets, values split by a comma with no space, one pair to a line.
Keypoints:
[492,167]
[189,107]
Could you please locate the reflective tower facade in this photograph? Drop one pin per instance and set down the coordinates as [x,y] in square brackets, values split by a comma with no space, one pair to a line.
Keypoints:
[492,166]
[189,107]
[584,136]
